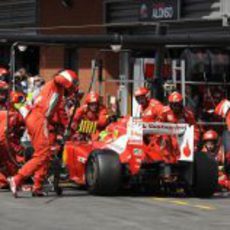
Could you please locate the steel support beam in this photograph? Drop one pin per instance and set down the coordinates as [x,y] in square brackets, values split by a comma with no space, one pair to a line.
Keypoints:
[127,41]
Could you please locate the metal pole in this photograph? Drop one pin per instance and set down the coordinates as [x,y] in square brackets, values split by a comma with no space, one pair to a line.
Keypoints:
[127,41]
[123,87]
[157,86]
[174,71]
[93,72]
[12,64]
[100,75]
[182,66]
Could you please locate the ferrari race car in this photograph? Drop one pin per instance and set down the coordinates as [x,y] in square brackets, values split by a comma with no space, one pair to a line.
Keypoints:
[132,153]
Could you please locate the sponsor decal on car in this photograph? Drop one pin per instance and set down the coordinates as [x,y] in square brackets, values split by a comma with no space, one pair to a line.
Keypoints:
[81,159]
[119,145]
[135,131]
[137,152]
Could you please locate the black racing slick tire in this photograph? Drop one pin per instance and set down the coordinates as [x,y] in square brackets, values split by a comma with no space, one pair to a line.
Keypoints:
[226,144]
[103,172]
[205,175]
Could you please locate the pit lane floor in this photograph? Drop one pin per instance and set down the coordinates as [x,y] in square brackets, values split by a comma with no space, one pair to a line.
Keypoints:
[78,210]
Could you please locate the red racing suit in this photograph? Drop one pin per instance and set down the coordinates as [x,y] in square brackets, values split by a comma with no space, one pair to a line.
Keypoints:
[227,154]
[115,130]
[83,113]
[228,121]
[168,145]
[59,121]
[186,116]
[151,111]
[9,144]
[211,96]
[38,119]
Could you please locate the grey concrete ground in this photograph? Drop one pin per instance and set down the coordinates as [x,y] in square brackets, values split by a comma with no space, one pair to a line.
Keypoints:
[78,210]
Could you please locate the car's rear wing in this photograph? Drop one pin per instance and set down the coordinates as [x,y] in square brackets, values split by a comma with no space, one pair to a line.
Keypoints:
[136,129]
[163,128]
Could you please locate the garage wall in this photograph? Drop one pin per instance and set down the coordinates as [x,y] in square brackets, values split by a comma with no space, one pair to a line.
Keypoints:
[18,13]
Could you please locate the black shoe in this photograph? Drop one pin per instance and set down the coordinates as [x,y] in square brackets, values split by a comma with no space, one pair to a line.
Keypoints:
[39,193]
[4,187]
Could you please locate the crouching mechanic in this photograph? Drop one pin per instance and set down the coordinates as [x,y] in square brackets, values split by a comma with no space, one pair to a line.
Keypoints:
[11,130]
[93,113]
[211,145]
[37,120]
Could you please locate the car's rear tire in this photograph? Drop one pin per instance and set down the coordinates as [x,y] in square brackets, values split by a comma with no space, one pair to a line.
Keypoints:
[205,175]
[226,144]
[103,172]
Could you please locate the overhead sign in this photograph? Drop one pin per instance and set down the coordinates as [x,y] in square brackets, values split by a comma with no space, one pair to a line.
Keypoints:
[155,10]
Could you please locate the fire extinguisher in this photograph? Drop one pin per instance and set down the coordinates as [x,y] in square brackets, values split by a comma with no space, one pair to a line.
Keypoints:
[149,69]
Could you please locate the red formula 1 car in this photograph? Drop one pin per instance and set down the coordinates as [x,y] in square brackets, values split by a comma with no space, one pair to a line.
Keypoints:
[132,153]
